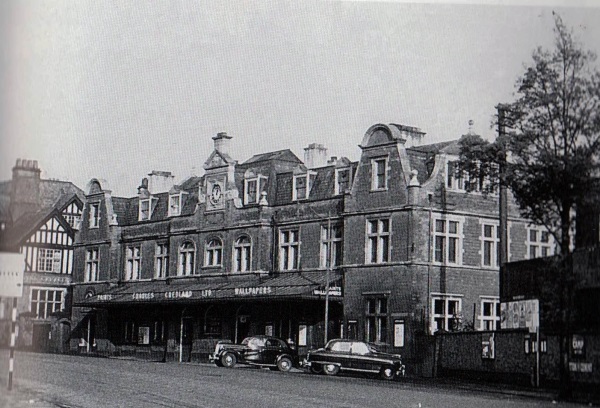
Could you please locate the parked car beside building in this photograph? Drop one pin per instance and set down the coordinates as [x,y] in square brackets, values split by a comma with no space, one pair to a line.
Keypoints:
[260,351]
[348,355]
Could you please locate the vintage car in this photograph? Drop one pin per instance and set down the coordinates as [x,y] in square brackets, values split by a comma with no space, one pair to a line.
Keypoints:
[351,355]
[259,351]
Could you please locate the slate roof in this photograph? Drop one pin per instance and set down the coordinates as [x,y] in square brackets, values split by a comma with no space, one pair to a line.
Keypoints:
[449,147]
[279,155]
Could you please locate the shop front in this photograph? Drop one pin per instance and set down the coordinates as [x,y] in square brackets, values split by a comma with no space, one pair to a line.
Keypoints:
[182,319]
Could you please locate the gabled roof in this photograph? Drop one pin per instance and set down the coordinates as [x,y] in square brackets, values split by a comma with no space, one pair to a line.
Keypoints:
[449,147]
[279,155]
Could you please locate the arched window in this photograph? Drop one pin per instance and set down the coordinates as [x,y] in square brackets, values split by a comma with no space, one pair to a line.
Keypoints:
[213,254]
[242,251]
[187,254]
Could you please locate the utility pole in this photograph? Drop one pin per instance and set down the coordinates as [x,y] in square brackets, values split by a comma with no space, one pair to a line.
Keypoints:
[327,269]
[503,194]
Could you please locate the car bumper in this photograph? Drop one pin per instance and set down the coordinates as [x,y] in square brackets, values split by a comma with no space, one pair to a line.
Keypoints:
[304,363]
[212,358]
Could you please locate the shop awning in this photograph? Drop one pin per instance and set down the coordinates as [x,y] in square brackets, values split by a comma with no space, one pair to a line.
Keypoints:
[288,285]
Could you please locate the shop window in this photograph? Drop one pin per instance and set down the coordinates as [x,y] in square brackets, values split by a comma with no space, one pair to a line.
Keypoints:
[133,259]
[44,302]
[242,253]
[289,249]
[213,253]
[378,241]
[376,319]
[331,245]
[130,332]
[445,313]
[448,243]
[187,255]
[159,332]
[161,261]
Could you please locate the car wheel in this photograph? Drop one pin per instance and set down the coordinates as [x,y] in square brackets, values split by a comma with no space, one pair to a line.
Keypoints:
[387,373]
[284,364]
[228,360]
[331,369]
[316,369]
[218,363]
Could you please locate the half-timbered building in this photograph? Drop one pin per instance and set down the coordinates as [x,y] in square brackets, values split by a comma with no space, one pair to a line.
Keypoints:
[41,217]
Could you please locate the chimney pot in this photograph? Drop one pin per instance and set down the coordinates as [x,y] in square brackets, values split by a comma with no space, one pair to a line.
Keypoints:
[315,155]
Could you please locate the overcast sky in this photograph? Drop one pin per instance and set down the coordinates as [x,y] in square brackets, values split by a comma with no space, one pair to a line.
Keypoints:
[116,89]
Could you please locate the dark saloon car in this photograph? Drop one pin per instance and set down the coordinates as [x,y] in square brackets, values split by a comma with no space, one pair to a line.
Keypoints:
[260,351]
[351,355]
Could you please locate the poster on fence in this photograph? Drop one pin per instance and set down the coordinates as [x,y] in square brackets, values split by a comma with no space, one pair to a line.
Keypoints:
[520,314]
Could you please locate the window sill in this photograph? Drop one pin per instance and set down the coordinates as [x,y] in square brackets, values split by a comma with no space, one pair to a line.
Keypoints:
[377,190]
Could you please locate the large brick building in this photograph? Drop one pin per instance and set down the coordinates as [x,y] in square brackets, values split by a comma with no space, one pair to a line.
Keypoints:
[251,248]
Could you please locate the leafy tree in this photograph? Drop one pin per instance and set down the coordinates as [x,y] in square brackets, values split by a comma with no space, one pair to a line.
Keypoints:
[548,149]
[552,143]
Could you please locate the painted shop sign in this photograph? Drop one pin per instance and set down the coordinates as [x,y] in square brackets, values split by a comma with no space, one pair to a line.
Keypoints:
[104,297]
[256,291]
[333,291]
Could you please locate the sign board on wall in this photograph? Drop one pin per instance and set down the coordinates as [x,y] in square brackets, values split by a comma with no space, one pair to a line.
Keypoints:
[11,274]
[399,333]
[520,314]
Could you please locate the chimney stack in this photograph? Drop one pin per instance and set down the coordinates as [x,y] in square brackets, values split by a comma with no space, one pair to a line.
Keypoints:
[25,188]
[222,142]
[315,155]
[160,181]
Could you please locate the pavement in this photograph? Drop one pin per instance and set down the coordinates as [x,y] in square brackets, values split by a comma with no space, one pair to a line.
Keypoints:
[21,397]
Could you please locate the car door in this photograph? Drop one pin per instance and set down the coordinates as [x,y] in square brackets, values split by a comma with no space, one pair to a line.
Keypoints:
[271,351]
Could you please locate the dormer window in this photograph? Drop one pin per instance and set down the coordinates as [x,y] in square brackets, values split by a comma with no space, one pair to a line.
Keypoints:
[146,208]
[176,203]
[252,189]
[379,174]
[302,185]
[342,180]
[94,215]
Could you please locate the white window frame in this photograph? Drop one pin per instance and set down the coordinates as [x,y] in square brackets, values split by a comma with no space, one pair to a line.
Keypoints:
[133,262]
[56,305]
[175,210]
[94,215]
[260,184]
[335,242]
[492,241]
[308,177]
[447,236]
[186,258]
[337,179]
[492,319]
[161,260]
[378,318]
[289,250]
[242,254]
[380,238]
[213,252]
[445,315]
[142,203]
[549,246]
[374,173]
[49,257]
[92,260]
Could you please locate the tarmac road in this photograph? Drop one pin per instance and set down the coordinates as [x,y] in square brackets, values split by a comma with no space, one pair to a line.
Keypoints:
[48,380]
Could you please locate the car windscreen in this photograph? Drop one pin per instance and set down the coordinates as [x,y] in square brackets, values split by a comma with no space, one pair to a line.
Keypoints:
[253,342]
